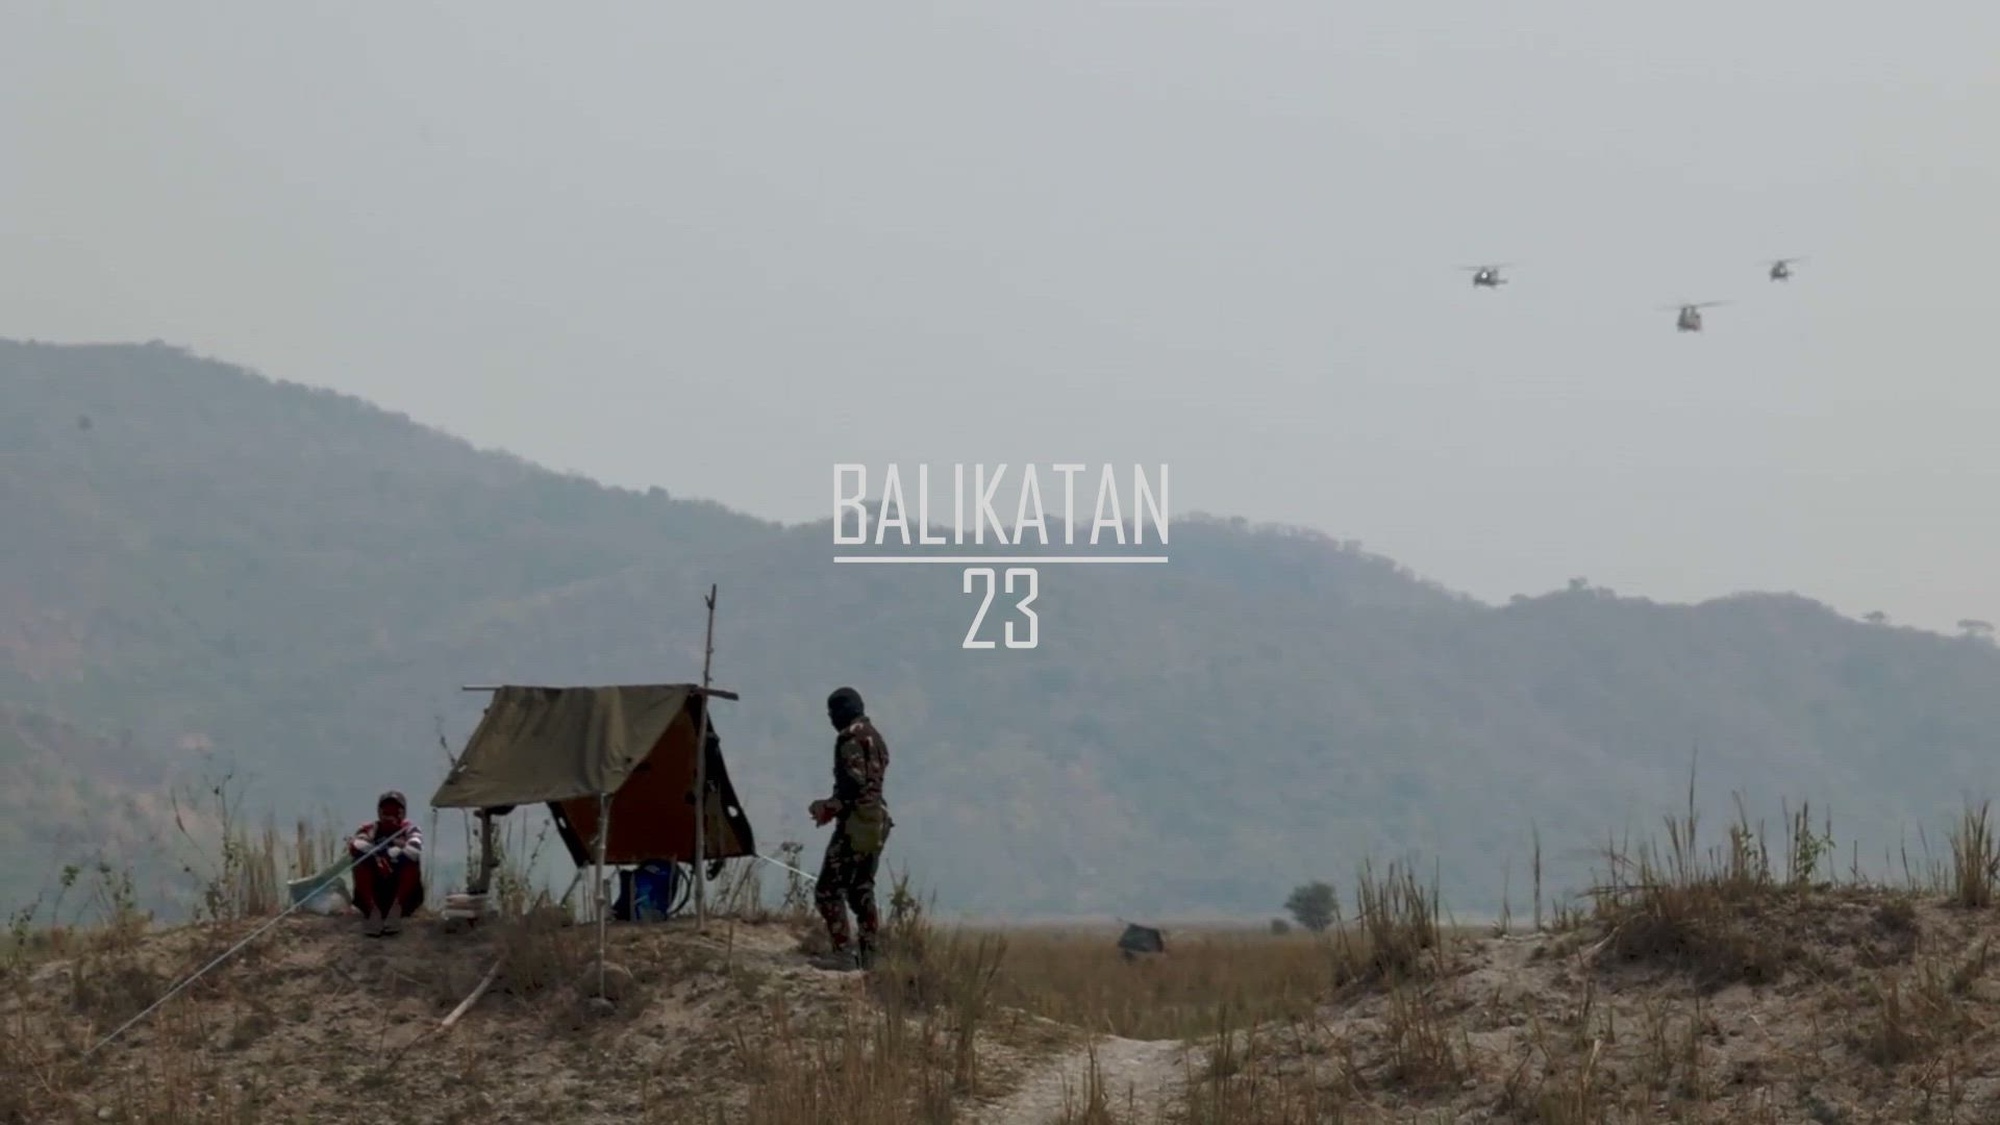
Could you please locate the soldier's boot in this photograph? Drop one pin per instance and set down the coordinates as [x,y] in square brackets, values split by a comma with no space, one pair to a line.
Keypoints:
[392,922]
[866,957]
[371,924]
[838,961]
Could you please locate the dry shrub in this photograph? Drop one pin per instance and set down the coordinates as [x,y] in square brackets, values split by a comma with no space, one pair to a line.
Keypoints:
[876,1070]
[1227,1095]
[1975,860]
[1079,978]
[924,970]
[1424,1055]
[900,1054]
[1399,936]
[1091,1105]
[540,948]
[1921,1013]
[239,871]
[1700,916]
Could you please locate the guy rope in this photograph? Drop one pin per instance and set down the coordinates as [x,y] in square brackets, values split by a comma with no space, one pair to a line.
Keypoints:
[790,868]
[254,934]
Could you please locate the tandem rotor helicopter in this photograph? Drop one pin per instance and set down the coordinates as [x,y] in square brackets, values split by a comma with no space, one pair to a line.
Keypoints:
[1781,268]
[1689,319]
[1687,316]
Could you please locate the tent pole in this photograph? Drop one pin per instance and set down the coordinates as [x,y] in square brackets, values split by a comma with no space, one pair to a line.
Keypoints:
[483,880]
[603,834]
[701,772]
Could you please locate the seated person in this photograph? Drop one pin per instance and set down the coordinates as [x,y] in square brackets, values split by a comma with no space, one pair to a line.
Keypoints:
[388,885]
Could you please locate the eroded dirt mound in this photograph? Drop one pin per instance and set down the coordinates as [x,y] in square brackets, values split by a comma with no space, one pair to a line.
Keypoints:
[1765,937]
[1830,1006]
[312,1020]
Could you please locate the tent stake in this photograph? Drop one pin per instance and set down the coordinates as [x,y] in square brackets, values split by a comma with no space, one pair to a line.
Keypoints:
[701,772]
[484,984]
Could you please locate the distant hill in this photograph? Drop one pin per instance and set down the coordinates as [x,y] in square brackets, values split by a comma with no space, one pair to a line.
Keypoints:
[67,798]
[200,557]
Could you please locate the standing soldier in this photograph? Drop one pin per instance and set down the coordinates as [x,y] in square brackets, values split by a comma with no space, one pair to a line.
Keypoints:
[861,831]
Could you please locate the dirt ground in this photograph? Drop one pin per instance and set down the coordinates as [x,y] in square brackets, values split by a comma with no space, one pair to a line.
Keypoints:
[313,1021]
[1830,1007]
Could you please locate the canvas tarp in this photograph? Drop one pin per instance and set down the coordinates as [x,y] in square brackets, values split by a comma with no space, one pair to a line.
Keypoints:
[538,744]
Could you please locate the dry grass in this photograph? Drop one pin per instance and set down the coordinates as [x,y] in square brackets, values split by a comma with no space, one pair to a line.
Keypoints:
[1722,984]
[1728,983]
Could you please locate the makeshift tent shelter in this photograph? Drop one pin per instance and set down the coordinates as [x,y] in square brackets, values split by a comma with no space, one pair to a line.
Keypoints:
[616,767]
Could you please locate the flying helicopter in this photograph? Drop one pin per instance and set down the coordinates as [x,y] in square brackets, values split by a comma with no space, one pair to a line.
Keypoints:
[1487,276]
[1689,319]
[1781,268]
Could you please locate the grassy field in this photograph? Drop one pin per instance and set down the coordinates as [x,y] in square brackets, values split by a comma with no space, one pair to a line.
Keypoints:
[1724,982]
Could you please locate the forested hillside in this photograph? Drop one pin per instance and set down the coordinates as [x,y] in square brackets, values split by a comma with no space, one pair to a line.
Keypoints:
[199,559]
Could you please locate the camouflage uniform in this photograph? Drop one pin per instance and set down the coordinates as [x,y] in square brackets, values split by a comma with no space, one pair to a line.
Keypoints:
[861,830]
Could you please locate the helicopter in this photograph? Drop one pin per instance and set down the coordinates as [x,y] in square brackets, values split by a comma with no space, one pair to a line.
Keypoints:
[1689,319]
[1781,268]
[1487,276]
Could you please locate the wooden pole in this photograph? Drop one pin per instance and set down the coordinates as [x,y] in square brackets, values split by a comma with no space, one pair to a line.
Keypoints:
[483,880]
[484,984]
[701,773]
[603,835]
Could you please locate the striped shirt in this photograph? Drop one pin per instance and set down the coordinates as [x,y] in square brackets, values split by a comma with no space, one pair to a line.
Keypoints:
[369,834]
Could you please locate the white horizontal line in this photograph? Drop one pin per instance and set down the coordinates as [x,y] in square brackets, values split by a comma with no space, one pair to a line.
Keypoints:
[1013,560]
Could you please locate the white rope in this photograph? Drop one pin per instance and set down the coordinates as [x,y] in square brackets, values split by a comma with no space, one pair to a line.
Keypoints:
[808,878]
[232,950]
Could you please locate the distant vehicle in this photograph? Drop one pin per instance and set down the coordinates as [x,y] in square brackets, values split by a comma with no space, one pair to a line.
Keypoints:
[1689,319]
[1487,276]
[1781,268]
[1139,940]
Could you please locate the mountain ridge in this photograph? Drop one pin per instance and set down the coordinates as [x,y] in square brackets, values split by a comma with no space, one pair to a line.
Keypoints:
[305,580]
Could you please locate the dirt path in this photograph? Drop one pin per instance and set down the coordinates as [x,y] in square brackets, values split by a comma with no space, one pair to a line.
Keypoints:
[1140,1079]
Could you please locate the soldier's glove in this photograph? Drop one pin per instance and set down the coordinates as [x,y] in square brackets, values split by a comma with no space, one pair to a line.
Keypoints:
[359,843]
[821,811]
[395,852]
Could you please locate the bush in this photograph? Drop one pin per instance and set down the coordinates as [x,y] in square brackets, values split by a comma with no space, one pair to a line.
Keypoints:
[1312,905]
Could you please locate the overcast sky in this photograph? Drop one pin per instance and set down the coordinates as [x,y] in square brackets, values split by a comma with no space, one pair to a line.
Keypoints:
[1224,236]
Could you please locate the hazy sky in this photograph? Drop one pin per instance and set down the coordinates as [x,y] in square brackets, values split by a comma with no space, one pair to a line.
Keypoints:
[1224,236]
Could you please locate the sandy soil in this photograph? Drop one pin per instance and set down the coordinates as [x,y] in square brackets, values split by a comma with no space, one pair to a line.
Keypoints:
[1138,1080]
[1836,1007]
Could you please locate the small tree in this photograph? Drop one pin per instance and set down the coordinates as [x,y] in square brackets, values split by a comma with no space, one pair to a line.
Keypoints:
[1312,905]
